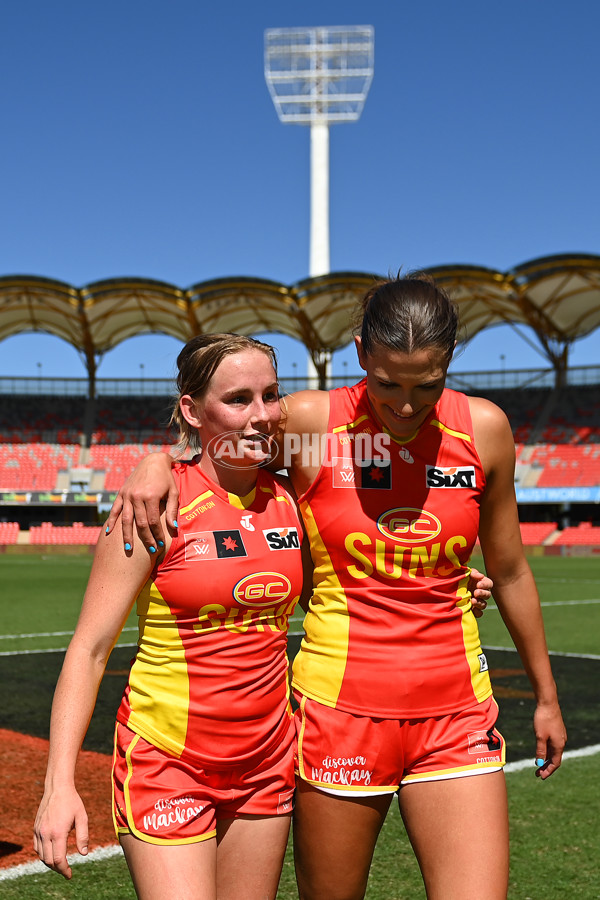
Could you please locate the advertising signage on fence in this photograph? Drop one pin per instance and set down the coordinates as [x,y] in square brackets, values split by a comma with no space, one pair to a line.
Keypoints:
[558,495]
[57,498]
[106,498]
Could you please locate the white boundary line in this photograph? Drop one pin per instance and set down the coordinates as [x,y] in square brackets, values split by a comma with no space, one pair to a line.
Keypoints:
[541,579]
[112,850]
[74,859]
[4,637]
[521,764]
[550,652]
[34,634]
[293,620]
[48,650]
[491,607]
[300,634]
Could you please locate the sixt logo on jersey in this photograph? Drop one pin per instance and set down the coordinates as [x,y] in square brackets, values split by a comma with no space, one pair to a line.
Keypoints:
[450,476]
[282,538]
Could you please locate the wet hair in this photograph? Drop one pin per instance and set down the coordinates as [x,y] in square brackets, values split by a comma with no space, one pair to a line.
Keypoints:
[196,364]
[407,313]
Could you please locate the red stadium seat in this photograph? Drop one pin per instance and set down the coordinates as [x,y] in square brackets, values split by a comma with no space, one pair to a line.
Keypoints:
[9,532]
[535,533]
[34,466]
[77,533]
[583,535]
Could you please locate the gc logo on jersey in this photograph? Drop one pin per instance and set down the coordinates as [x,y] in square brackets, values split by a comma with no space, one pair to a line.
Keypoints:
[450,476]
[262,589]
[408,525]
[282,538]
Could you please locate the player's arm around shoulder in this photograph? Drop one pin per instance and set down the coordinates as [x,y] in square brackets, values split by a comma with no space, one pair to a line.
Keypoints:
[139,501]
[114,582]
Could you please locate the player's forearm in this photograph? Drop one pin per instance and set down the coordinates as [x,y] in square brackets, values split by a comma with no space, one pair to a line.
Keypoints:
[72,709]
[536,662]
[520,609]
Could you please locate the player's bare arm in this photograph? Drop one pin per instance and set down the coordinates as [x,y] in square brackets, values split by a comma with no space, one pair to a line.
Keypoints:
[514,587]
[114,582]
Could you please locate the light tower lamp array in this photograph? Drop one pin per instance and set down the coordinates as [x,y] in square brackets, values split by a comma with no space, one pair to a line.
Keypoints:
[317,77]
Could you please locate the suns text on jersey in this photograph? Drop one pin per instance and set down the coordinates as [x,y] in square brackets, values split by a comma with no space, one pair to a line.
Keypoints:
[393,560]
[214,616]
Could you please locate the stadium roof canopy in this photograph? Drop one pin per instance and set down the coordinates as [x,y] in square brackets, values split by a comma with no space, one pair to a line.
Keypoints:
[557,296]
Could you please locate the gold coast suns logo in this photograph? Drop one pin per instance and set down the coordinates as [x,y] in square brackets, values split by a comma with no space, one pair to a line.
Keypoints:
[262,589]
[408,525]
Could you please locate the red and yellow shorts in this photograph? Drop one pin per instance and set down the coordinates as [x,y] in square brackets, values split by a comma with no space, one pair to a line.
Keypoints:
[163,800]
[359,756]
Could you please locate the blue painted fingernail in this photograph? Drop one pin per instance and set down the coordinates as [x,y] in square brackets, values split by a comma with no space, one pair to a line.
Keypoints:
[106,530]
[128,546]
[161,543]
[175,525]
[540,762]
[152,549]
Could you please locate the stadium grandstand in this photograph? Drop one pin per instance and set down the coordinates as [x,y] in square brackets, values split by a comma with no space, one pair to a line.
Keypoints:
[66,445]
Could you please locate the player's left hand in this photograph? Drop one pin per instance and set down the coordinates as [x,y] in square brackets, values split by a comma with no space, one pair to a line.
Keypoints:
[480,587]
[550,738]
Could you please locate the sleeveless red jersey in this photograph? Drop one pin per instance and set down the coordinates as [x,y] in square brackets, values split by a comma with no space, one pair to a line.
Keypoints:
[210,677]
[392,524]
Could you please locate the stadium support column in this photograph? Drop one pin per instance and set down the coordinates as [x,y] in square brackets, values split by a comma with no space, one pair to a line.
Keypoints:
[319,77]
[90,362]
[89,417]
[319,229]
[319,199]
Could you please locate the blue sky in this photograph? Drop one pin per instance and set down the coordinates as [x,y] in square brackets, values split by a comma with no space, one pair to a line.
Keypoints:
[140,139]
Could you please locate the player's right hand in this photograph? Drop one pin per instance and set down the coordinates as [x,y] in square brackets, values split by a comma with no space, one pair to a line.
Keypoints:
[56,816]
[140,499]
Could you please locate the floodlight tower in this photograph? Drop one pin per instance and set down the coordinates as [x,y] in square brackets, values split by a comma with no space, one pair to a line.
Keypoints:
[317,77]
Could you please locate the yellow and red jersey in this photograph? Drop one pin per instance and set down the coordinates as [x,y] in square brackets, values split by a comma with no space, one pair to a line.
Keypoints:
[209,680]
[392,524]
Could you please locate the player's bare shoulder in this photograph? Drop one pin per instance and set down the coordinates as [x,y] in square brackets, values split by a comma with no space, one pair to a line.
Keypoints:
[486,413]
[491,430]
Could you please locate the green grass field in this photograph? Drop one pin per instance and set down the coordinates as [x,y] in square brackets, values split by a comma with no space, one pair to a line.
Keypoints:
[555,844]
[570,593]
